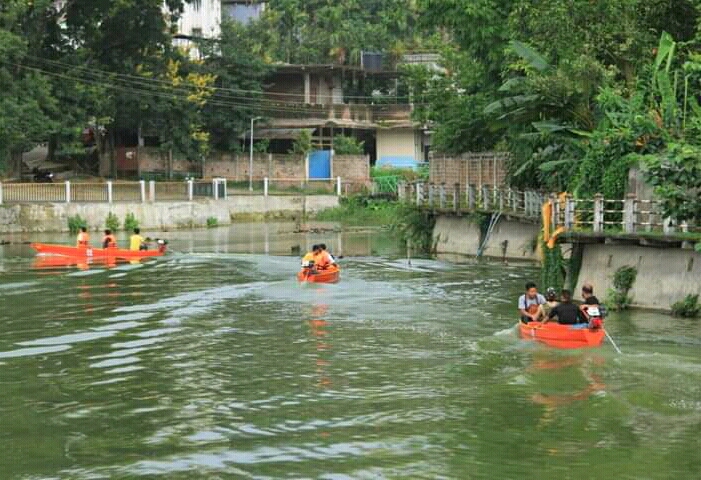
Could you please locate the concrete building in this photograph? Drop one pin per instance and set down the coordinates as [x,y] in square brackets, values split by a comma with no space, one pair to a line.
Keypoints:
[312,97]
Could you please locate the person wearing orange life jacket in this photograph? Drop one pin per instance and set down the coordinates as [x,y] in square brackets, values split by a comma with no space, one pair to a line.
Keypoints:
[322,259]
[308,259]
[322,246]
[83,238]
[109,240]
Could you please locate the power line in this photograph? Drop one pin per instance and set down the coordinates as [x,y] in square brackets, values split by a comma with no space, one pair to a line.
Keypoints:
[183,92]
[245,93]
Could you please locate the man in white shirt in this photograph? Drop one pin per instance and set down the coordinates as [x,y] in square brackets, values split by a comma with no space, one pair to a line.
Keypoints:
[529,303]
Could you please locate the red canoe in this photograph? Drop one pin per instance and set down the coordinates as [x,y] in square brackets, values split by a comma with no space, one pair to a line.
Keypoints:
[90,252]
[328,275]
[562,336]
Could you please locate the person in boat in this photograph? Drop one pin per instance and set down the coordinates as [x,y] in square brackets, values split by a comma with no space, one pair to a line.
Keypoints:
[589,299]
[83,238]
[332,259]
[137,242]
[566,312]
[308,259]
[322,259]
[529,303]
[551,301]
[109,240]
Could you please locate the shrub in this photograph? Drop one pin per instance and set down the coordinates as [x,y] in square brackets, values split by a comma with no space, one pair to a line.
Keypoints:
[130,222]
[212,222]
[689,307]
[75,223]
[344,145]
[623,281]
[112,222]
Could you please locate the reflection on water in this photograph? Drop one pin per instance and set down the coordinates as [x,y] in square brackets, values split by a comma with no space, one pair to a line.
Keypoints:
[213,362]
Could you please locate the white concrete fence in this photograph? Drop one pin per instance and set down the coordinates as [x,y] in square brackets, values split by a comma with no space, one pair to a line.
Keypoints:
[139,191]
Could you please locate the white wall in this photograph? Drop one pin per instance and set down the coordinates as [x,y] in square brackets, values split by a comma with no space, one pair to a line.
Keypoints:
[397,142]
[205,18]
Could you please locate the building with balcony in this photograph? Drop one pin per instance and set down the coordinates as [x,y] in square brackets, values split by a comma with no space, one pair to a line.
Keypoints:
[299,97]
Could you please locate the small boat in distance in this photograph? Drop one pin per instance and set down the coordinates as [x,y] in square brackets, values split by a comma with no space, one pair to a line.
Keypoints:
[332,274]
[93,252]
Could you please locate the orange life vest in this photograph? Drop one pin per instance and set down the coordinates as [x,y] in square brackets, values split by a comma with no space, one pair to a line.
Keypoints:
[109,241]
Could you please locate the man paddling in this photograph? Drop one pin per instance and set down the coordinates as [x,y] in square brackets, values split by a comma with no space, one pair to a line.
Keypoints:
[529,303]
[137,242]
[308,259]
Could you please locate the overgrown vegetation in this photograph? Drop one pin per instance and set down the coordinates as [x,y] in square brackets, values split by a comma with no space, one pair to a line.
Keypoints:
[359,210]
[553,267]
[689,307]
[414,226]
[345,145]
[623,280]
[212,222]
[75,223]
[130,222]
[112,222]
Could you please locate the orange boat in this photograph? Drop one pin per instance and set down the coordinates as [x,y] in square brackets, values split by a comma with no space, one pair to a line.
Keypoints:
[90,252]
[61,261]
[332,274]
[562,336]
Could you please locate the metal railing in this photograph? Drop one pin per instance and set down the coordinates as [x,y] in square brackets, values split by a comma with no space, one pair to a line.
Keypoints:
[598,215]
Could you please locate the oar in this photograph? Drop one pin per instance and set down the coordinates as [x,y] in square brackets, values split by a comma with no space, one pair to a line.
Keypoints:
[618,350]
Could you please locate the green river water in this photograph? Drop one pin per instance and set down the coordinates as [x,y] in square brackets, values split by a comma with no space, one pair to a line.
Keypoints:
[213,362]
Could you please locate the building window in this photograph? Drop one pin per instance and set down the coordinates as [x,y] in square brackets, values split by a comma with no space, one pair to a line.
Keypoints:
[196,33]
[242,11]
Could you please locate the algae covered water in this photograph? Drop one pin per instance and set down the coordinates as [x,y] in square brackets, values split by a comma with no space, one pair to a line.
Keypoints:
[214,363]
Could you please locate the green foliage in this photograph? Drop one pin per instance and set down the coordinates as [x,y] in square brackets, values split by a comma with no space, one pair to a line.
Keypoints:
[359,210]
[212,222]
[553,269]
[345,145]
[130,222]
[75,223]
[623,280]
[414,226]
[303,144]
[689,307]
[112,222]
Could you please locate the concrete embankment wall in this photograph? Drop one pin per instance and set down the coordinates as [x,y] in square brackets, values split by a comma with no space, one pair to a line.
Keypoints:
[53,217]
[665,275]
[461,235]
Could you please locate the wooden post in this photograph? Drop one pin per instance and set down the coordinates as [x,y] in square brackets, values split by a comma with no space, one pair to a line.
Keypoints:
[471,194]
[629,213]
[456,197]
[598,213]
[441,195]
[569,212]
[68,191]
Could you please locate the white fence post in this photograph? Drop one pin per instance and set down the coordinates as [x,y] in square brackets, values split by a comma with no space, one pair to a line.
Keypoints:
[68,191]
[569,211]
[0,193]
[265,186]
[215,188]
[598,213]
[109,191]
[338,186]
[629,214]
[151,191]
[226,191]
[441,195]
[190,189]
[668,226]
[142,188]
